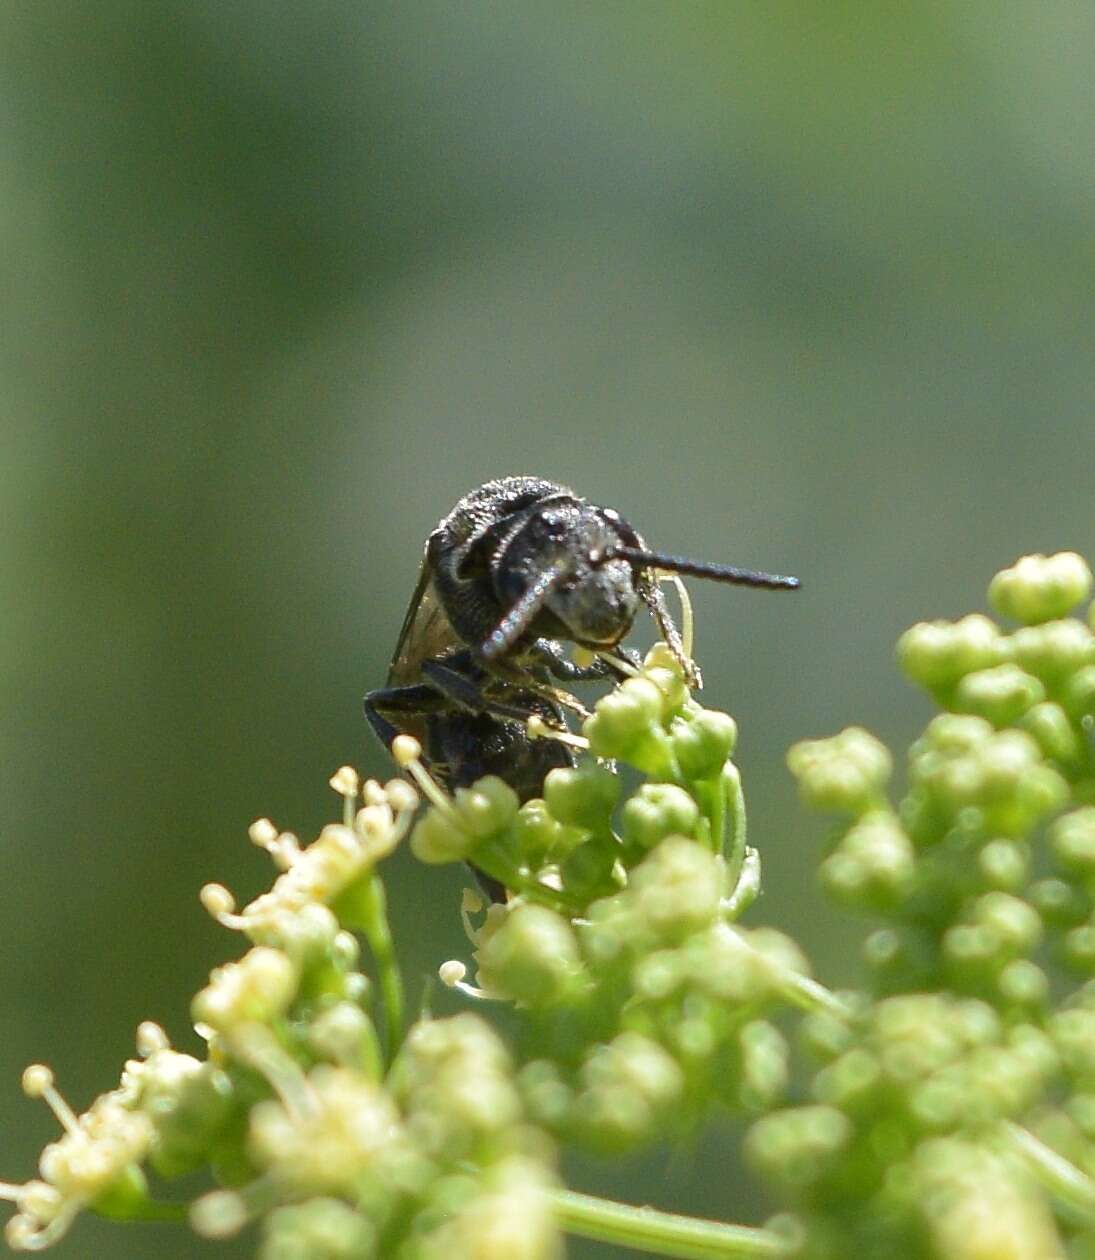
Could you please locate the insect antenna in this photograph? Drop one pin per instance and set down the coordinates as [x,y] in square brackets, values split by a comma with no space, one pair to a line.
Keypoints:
[517,620]
[699,568]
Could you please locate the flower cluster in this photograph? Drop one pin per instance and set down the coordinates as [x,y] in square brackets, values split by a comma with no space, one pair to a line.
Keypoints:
[944,1111]
[641,1001]
[954,1093]
[313,1112]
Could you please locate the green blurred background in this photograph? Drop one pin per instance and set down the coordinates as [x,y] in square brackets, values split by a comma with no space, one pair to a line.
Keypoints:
[806,287]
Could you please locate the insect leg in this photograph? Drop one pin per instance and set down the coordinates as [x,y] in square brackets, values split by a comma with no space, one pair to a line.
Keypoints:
[414,700]
[654,598]
[551,655]
[463,690]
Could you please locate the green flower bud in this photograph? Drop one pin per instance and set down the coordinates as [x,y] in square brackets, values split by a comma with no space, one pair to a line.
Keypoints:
[873,865]
[1023,983]
[532,958]
[438,837]
[936,654]
[1059,903]
[975,1022]
[693,1039]
[1041,588]
[1053,650]
[350,1123]
[948,735]
[454,1079]
[659,974]
[826,1036]
[547,1097]
[610,929]
[764,1065]
[1001,694]
[582,796]
[1079,948]
[1016,923]
[540,834]
[1004,864]
[1034,1048]
[704,743]
[723,964]
[189,1113]
[320,1229]
[257,989]
[587,871]
[655,811]
[1073,839]
[1053,732]
[510,1217]
[851,1082]
[1073,1034]
[977,1205]
[306,933]
[900,959]
[487,808]
[1078,697]
[1003,776]
[972,947]
[623,717]
[797,1147]
[846,773]
[664,671]
[629,1085]
[917,1034]
[676,889]
[341,1034]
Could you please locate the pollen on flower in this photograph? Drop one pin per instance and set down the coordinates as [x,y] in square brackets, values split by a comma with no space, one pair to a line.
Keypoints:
[262,832]
[151,1038]
[345,781]
[400,795]
[36,1080]
[217,900]
[94,1155]
[372,793]
[220,1214]
[452,972]
[405,749]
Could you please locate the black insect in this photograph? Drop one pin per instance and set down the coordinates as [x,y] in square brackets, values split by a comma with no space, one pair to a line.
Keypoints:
[519,567]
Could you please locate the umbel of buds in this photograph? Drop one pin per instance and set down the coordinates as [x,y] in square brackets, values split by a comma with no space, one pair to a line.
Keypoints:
[942,1110]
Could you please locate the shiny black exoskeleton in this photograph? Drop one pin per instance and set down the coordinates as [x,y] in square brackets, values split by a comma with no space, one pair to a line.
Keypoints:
[519,567]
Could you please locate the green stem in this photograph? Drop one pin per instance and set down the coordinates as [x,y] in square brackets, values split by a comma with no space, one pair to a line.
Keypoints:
[372,1054]
[661,1233]
[734,804]
[746,890]
[372,907]
[142,1210]
[500,866]
[811,996]
[800,990]
[1059,1176]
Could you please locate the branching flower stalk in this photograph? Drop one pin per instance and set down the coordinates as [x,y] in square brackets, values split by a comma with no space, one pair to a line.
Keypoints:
[945,1109]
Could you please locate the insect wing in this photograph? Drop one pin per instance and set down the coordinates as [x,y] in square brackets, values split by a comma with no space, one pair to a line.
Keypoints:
[426,632]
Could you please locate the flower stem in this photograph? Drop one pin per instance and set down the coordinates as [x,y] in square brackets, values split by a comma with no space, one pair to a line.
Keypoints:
[370,914]
[1058,1175]
[733,805]
[661,1233]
